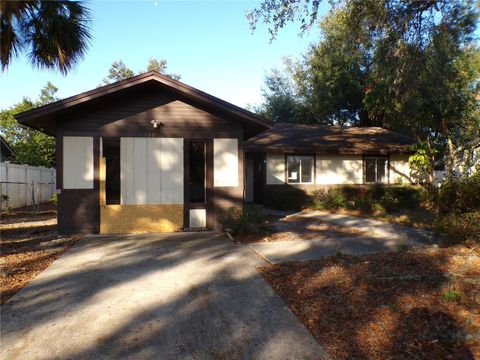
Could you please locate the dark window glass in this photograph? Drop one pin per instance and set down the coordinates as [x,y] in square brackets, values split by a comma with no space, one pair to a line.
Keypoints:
[299,169]
[197,171]
[111,152]
[376,169]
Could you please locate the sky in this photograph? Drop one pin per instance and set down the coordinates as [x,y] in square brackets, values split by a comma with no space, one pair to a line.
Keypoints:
[208,43]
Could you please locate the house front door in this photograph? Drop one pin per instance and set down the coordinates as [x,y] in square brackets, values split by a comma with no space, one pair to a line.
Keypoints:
[198,183]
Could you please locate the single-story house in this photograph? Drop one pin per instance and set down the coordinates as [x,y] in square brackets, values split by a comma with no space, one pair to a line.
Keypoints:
[311,157]
[151,154]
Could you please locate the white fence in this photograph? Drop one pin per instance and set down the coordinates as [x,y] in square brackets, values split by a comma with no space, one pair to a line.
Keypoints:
[23,185]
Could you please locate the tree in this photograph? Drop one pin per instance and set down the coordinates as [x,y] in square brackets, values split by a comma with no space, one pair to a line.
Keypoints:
[53,34]
[31,147]
[367,70]
[160,65]
[119,71]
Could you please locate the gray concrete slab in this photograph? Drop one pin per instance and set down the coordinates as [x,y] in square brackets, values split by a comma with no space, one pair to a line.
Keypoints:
[177,296]
[300,250]
[379,229]
[381,237]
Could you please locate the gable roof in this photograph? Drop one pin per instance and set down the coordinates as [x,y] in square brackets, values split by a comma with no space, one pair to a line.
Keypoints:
[37,117]
[6,150]
[329,139]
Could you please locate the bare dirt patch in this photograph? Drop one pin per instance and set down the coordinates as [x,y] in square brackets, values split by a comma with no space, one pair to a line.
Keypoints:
[294,228]
[29,244]
[420,304]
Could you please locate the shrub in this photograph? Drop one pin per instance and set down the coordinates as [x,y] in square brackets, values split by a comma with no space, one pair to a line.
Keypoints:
[290,198]
[401,198]
[247,221]
[54,199]
[459,195]
[332,199]
[452,295]
[460,227]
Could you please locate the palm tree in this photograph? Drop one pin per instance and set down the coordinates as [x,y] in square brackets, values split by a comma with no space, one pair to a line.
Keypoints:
[53,34]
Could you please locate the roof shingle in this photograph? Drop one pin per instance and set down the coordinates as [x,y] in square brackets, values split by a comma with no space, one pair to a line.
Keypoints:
[329,139]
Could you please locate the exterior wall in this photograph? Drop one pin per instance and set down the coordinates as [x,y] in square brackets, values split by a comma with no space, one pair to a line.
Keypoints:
[339,169]
[118,219]
[130,116]
[335,170]
[399,169]
[275,169]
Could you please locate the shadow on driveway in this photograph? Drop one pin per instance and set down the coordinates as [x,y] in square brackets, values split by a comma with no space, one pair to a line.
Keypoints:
[173,296]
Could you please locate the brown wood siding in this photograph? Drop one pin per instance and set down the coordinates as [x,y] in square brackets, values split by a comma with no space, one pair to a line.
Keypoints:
[131,116]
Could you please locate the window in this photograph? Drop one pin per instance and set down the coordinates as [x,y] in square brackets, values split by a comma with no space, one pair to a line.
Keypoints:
[197,172]
[376,170]
[300,169]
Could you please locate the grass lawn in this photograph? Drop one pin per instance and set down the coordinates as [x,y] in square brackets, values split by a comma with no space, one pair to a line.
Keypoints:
[417,304]
[29,244]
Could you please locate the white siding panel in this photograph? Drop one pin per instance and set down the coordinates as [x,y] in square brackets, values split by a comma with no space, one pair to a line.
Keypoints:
[225,162]
[171,170]
[77,162]
[399,169]
[275,169]
[339,169]
[151,171]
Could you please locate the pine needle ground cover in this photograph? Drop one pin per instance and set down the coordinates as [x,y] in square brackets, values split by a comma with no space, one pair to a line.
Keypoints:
[418,304]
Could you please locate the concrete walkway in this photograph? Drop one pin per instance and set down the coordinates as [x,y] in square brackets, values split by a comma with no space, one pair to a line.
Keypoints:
[181,296]
[381,237]
[375,228]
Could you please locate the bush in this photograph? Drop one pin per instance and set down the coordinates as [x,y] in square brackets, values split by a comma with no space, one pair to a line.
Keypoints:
[460,227]
[289,198]
[368,199]
[401,198]
[459,195]
[332,199]
[247,221]
[54,199]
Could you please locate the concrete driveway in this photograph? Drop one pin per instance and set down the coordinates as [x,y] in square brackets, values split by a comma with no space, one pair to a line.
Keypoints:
[181,296]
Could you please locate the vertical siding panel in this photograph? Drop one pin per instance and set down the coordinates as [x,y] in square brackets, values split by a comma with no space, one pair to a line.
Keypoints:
[154,180]
[171,170]
[225,162]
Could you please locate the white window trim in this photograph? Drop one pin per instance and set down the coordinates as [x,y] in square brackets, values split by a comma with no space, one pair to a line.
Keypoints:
[387,164]
[300,182]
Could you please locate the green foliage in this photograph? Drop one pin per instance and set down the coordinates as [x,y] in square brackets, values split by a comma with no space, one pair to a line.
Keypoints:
[459,195]
[241,222]
[286,198]
[460,227]
[452,295]
[394,308]
[422,162]
[31,147]
[411,67]
[54,199]
[53,34]
[368,199]
[119,71]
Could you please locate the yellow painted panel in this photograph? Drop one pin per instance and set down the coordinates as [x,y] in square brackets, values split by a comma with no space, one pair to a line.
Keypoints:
[102,176]
[122,219]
